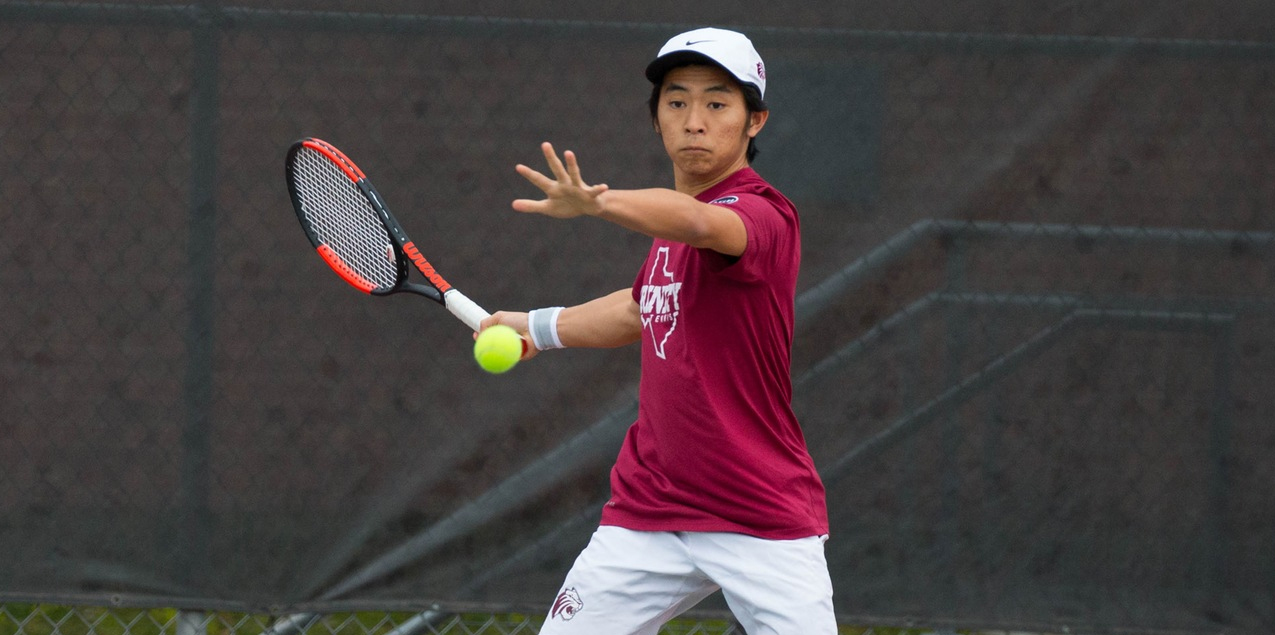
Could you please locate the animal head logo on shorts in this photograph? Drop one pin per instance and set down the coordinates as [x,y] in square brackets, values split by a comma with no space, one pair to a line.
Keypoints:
[567,604]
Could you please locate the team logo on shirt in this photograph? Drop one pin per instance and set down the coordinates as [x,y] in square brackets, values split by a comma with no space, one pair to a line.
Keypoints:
[660,304]
[725,200]
[567,604]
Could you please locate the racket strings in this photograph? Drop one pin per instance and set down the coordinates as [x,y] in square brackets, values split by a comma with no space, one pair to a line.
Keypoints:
[343,219]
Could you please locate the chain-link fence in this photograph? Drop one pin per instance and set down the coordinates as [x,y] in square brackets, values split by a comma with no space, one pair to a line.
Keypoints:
[1034,341]
[27,619]
[18,619]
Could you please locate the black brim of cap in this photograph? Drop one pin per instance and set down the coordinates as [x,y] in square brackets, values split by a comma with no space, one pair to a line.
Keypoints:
[659,66]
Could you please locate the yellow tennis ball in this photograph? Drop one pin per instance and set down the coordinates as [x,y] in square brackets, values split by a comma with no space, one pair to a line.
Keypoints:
[498,348]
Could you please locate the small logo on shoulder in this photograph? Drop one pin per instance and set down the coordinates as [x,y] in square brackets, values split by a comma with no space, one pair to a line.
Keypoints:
[725,200]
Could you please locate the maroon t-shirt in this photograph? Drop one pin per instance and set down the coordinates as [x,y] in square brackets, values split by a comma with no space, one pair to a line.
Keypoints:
[716,446]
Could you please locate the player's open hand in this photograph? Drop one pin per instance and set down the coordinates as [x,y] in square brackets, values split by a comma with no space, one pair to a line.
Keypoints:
[566,194]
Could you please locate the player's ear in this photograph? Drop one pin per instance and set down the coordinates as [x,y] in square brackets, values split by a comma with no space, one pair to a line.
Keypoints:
[656,124]
[756,121]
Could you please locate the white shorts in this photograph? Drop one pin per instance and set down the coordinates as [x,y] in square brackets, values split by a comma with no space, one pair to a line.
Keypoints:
[629,582]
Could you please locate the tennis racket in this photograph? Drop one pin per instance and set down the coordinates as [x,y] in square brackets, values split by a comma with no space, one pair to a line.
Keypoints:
[347,222]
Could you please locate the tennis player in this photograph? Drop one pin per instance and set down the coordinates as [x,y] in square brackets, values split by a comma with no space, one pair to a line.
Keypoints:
[714,486]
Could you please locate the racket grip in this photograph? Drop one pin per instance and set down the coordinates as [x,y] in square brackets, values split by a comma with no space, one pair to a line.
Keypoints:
[465,309]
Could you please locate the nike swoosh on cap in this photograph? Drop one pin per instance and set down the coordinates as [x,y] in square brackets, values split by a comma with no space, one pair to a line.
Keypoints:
[690,43]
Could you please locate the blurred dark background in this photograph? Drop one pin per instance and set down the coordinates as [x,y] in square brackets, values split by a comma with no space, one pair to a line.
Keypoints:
[1034,352]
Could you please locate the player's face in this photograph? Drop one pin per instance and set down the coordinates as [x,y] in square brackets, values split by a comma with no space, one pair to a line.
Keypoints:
[704,123]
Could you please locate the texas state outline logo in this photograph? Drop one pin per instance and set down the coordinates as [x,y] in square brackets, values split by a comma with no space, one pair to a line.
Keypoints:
[660,302]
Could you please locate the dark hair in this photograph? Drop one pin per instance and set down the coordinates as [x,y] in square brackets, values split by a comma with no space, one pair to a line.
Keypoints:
[752,103]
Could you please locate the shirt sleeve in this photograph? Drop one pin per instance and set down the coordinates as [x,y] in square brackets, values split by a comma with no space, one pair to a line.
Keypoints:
[770,233]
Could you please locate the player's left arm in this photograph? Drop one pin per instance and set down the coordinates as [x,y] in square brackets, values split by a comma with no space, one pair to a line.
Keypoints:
[659,213]
[675,216]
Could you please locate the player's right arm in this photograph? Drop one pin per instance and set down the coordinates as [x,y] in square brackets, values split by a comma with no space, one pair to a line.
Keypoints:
[606,322]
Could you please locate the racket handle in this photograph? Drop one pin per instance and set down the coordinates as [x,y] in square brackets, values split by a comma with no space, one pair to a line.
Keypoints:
[462,307]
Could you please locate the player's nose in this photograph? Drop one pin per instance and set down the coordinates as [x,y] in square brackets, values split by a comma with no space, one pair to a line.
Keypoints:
[694,121]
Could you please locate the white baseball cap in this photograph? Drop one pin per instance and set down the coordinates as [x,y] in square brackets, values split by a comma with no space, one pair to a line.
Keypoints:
[732,51]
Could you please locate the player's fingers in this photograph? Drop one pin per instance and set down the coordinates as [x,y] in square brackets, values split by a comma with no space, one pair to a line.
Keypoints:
[531,206]
[486,323]
[547,207]
[573,168]
[537,179]
[513,319]
[555,164]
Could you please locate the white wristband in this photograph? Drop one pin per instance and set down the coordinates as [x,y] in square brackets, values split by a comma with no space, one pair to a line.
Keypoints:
[542,325]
